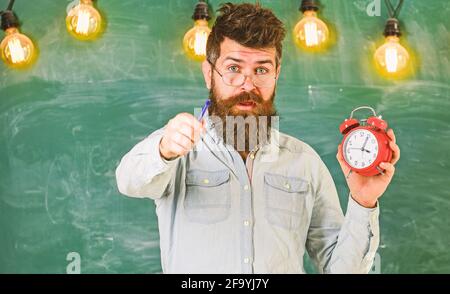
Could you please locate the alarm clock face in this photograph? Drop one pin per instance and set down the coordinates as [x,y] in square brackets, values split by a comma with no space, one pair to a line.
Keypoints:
[360,148]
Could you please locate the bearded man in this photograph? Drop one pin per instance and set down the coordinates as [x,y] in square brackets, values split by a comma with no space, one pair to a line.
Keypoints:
[235,195]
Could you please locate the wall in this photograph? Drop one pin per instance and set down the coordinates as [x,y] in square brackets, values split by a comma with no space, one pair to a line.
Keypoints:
[65,124]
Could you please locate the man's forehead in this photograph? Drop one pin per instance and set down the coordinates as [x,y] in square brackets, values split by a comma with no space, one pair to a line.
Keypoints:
[233,50]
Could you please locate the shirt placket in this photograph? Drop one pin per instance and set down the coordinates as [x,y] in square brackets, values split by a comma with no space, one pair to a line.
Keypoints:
[247,216]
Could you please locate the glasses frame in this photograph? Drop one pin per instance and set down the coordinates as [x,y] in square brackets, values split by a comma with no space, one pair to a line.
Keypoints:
[245,77]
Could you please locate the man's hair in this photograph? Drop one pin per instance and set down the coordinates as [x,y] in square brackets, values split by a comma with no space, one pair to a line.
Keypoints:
[248,24]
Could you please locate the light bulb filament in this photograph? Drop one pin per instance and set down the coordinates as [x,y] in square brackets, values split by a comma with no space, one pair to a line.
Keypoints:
[16,50]
[200,43]
[82,26]
[311,34]
[391,58]
[194,41]
[83,21]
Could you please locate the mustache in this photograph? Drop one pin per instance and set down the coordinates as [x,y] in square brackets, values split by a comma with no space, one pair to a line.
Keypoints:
[243,97]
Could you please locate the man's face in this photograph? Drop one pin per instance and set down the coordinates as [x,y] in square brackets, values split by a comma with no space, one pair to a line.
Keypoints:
[252,99]
[248,98]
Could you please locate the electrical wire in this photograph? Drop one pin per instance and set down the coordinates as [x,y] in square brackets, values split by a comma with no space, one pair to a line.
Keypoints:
[394,12]
[10,5]
[9,8]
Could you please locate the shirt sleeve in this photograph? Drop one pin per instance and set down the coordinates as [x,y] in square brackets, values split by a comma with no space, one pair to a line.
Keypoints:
[339,244]
[142,172]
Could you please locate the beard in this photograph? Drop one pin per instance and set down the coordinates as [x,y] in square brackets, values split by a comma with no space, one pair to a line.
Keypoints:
[242,129]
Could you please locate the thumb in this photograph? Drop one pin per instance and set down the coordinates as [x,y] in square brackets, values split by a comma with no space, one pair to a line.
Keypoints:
[389,169]
[203,122]
[341,161]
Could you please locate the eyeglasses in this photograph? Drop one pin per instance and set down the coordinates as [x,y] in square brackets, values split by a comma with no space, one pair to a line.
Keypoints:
[237,79]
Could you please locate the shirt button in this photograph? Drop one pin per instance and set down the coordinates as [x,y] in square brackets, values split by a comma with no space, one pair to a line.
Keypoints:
[287,186]
[246,223]
[246,187]
[252,156]
[206,181]
[246,260]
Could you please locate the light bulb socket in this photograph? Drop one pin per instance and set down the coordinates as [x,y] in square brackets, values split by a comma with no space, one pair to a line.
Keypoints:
[308,5]
[392,28]
[9,20]
[201,11]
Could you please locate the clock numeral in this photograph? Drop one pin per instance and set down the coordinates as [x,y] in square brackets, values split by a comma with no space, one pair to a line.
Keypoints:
[374,156]
[356,162]
[373,141]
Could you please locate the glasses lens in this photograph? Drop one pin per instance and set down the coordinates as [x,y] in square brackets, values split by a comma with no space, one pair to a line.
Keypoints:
[238,79]
[233,79]
[264,81]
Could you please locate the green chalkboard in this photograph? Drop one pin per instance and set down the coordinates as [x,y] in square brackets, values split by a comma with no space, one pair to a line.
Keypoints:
[66,123]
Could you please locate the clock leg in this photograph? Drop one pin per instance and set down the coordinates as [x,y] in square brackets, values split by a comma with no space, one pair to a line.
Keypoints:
[380,170]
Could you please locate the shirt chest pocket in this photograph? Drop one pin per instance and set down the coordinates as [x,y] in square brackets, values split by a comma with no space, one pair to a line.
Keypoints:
[208,197]
[285,200]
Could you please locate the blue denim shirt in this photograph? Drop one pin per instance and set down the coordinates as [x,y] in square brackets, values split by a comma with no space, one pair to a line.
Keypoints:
[219,214]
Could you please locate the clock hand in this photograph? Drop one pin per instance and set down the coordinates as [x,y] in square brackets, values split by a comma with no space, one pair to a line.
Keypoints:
[365,142]
[354,148]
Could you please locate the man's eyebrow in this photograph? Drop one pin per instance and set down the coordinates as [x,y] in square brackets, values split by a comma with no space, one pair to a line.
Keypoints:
[233,59]
[265,61]
[241,60]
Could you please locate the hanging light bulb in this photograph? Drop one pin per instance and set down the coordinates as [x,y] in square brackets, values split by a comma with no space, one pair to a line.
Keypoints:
[17,50]
[392,59]
[83,21]
[194,41]
[311,33]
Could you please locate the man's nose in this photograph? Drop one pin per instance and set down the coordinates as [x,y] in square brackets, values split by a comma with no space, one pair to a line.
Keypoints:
[248,85]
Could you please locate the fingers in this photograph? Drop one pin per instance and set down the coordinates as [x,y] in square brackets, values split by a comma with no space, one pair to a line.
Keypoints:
[189,132]
[340,159]
[183,141]
[394,147]
[395,152]
[203,122]
[389,169]
[189,119]
[186,120]
[391,135]
[181,134]
[178,149]
[175,144]
[339,154]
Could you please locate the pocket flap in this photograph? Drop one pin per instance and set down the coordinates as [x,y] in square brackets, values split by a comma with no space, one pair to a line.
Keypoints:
[287,184]
[207,178]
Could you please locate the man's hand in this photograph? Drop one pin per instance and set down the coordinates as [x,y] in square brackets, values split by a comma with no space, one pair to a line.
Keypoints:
[367,190]
[180,136]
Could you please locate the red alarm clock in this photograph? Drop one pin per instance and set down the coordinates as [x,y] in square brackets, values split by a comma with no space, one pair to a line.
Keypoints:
[365,144]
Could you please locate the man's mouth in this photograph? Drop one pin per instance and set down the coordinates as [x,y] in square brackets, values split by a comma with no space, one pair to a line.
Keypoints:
[246,105]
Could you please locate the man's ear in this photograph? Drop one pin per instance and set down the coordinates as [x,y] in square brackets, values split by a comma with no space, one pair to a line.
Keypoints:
[278,70]
[207,73]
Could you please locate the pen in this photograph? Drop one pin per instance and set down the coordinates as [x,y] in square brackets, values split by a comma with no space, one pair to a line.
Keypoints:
[205,107]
